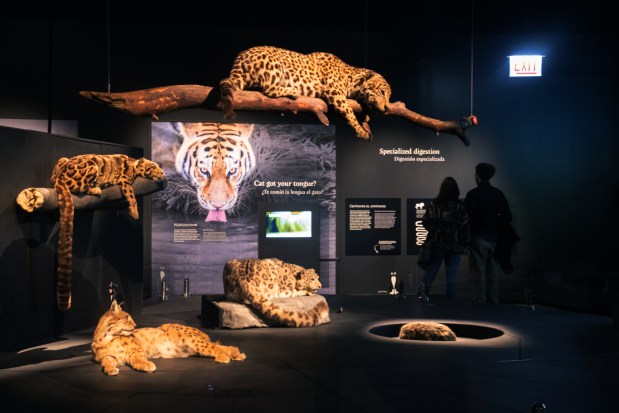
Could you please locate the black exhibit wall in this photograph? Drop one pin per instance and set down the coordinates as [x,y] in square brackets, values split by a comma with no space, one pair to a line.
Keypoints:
[551,137]
[107,245]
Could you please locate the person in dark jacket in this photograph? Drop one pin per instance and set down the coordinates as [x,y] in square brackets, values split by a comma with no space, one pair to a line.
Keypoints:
[488,209]
[447,223]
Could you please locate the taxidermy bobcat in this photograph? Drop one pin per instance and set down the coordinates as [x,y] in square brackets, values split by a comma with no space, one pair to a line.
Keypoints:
[116,341]
[88,174]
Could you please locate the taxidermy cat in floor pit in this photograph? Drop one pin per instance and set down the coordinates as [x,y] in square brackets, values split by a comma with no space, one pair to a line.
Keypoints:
[88,174]
[116,341]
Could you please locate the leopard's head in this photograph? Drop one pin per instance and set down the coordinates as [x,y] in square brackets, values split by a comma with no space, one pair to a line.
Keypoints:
[148,169]
[308,280]
[375,92]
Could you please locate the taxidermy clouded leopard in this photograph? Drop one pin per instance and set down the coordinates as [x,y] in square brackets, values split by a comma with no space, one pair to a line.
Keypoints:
[256,282]
[88,174]
[116,342]
[215,158]
[283,73]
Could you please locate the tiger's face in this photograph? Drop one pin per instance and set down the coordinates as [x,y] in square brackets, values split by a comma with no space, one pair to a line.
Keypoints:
[216,158]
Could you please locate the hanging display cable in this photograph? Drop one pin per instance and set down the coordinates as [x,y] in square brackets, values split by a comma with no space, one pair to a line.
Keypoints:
[109,82]
[472,50]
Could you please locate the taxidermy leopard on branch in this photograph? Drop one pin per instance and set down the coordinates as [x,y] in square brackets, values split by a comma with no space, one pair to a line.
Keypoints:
[88,174]
[275,79]
[283,73]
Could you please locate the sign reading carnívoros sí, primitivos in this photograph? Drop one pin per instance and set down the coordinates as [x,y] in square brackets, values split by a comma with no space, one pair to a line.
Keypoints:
[373,226]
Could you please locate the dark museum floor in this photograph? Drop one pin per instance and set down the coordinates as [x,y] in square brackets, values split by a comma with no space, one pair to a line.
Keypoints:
[569,361]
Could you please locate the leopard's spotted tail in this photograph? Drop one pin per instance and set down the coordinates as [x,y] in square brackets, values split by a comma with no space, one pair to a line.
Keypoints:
[291,318]
[279,315]
[65,246]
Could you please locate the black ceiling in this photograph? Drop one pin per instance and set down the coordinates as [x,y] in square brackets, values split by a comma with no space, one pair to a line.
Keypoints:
[593,16]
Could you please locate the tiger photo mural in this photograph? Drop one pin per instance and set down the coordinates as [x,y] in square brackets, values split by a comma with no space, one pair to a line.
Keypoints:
[215,158]
[218,175]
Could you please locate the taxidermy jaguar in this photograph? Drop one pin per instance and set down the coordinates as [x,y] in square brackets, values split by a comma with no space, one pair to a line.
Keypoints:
[256,282]
[116,342]
[283,73]
[216,158]
[88,174]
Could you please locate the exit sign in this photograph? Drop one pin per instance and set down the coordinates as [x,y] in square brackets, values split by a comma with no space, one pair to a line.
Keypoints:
[529,65]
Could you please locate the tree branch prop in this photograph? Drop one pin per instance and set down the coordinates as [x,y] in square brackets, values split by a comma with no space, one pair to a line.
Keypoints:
[46,199]
[155,101]
[453,127]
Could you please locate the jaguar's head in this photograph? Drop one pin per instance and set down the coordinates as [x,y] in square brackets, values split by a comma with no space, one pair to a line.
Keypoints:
[375,92]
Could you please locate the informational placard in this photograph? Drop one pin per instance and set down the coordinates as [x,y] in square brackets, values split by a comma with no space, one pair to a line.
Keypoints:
[416,233]
[373,226]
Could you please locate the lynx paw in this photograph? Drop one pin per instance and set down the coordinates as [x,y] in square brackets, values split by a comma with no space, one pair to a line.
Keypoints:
[111,371]
[145,365]
[235,354]
[239,357]
[222,358]
[227,353]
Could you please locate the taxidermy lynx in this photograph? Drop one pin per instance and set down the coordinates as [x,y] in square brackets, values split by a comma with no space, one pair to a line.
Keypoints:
[88,174]
[116,342]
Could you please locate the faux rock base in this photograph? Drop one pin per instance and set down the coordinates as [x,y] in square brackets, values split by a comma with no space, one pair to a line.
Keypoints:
[237,316]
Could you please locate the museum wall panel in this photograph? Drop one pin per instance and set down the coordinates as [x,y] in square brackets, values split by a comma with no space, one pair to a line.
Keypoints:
[107,245]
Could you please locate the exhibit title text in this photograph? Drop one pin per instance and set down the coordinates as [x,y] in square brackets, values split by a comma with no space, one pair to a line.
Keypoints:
[408,151]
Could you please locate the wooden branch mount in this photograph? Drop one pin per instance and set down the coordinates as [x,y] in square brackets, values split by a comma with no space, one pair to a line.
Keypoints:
[156,101]
[46,199]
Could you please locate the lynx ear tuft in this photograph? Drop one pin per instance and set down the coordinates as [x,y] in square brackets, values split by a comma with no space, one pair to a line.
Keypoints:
[115,306]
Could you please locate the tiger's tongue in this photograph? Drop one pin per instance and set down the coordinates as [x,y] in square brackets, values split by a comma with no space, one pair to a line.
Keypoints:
[216,215]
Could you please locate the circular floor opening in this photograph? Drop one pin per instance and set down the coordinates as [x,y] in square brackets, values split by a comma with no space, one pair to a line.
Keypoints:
[461,330]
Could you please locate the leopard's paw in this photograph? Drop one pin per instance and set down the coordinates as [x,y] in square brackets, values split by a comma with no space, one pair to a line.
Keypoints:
[226,107]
